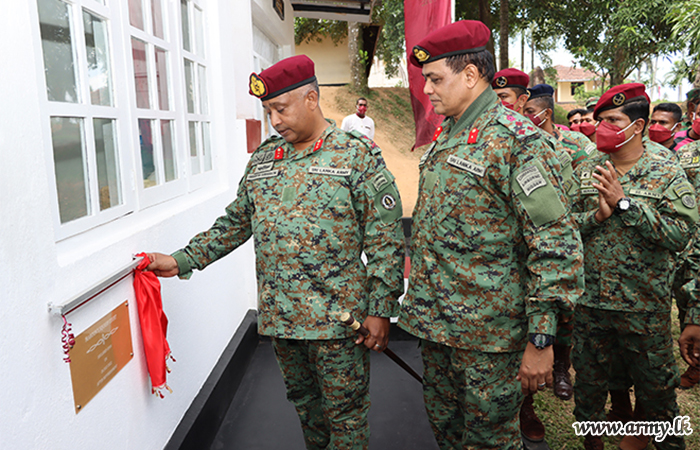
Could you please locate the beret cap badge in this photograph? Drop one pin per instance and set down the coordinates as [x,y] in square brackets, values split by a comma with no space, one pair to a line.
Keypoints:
[501,81]
[619,99]
[420,54]
[257,86]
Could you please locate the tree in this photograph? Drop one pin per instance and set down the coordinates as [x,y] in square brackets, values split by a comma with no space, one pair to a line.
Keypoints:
[612,37]
[686,31]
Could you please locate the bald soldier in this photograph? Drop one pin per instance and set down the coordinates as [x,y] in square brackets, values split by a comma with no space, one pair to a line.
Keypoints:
[495,256]
[314,200]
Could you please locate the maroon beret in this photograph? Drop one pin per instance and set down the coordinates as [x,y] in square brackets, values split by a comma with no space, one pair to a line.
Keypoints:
[620,95]
[284,76]
[510,78]
[465,36]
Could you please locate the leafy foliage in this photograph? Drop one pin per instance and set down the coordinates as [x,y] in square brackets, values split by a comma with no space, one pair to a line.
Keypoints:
[307,30]
[686,31]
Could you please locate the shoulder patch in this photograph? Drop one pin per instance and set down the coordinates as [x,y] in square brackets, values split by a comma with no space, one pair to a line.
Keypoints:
[519,126]
[369,143]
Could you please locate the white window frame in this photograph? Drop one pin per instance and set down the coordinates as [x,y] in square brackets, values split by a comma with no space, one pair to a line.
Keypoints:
[86,111]
[124,111]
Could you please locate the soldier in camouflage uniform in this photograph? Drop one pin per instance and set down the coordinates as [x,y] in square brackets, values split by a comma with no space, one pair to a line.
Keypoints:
[495,254]
[635,209]
[511,87]
[314,202]
[540,109]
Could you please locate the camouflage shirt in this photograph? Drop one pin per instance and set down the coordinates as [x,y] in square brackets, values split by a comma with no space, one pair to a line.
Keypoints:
[630,257]
[494,251]
[312,214]
[689,157]
[577,143]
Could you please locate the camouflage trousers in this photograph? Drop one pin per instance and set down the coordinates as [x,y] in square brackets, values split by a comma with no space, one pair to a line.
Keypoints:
[642,343]
[565,328]
[328,383]
[472,398]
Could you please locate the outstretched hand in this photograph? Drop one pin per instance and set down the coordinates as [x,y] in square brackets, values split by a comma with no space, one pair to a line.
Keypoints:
[162,265]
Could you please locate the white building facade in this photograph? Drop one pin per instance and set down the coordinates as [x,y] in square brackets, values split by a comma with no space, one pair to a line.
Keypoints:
[123,130]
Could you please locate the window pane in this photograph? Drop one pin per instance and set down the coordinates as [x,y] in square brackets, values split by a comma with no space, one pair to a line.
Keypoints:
[59,57]
[166,130]
[162,78]
[157,13]
[194,159]
[185,19]
[189,85]
[97,48]
[206,146]
[70,168]
[199,31]
[147,161]
[203,99]
[107,163]
[138,51]
[136,13]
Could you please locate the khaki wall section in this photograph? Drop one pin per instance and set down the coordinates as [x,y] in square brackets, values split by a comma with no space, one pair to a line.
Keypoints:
[332,63]
[564,90]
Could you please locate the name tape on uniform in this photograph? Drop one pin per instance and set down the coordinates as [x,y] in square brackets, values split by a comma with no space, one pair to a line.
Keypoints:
[268,174]
[330,171]
[466,165]
[530,179]
[645,193]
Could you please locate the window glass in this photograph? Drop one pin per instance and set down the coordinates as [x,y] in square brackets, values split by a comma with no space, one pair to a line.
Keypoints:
[203,99]
[166,130]
[157,16]
[70,167]
[136,13]
[194,158]
[185,21]
[147,162]
[199,31]
[138,51]
[206,146]
[107,163]
[162,78]
[97,49]
[59,55]
[189,85]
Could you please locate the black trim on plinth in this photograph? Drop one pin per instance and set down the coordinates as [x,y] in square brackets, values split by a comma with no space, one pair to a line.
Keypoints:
[201,422]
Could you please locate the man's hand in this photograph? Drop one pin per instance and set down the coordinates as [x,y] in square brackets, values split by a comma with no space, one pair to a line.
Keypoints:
[689,343]
[162,265]
[378,338]
[608,185]
[604,210]
[536,368]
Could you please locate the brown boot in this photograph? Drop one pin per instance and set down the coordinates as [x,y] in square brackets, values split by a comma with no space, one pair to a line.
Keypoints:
[640,441]
[562,381]
[690,378]
[530,425]
[621,407]
[593,443]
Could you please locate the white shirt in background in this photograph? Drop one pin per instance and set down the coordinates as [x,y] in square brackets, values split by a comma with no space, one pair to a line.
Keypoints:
[364,125]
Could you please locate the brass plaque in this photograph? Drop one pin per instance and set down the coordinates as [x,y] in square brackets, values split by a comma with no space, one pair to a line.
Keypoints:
[99,354]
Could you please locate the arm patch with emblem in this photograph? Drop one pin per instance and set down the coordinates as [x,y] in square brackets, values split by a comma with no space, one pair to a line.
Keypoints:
[539,198]
[385,196]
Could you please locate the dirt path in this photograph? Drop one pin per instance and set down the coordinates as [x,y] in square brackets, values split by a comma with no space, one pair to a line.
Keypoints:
[402,163]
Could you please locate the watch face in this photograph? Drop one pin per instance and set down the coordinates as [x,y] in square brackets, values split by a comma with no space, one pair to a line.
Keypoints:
[540,340]
[624,204]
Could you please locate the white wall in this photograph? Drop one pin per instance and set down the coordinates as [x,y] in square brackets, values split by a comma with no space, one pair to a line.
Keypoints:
[36,398]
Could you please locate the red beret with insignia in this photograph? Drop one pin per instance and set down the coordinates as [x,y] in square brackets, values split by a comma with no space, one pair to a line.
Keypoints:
[284,76]
[621,95]
[510,78]
[465,36]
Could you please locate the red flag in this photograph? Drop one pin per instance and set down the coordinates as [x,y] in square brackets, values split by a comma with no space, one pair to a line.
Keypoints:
[154,324]
[421,17]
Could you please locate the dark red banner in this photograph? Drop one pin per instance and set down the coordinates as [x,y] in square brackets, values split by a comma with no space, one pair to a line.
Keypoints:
[422,17]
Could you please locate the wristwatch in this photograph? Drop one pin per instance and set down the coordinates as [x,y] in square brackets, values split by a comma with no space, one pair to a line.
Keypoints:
[541,341]
[623,205]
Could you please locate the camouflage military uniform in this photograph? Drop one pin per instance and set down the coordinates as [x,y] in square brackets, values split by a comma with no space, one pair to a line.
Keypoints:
[629,268]
[312,214]
[494,255]
[579,145]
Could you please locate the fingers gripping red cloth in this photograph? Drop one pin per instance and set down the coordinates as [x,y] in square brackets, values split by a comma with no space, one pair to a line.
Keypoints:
[154,325]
